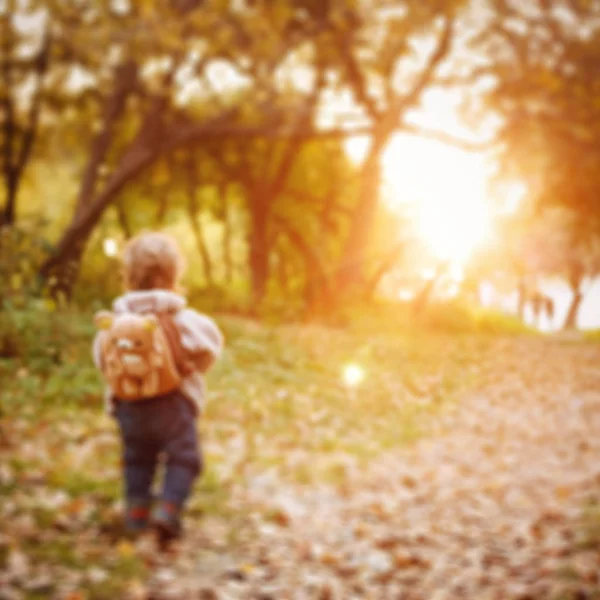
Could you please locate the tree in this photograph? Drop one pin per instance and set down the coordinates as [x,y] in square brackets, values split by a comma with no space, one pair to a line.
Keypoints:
[24,62]
[386,90]
[533,245]
[566,245]
[541,80]
[256,43]
[157,124]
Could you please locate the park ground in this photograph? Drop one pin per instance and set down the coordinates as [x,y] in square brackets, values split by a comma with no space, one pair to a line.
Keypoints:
[464,465]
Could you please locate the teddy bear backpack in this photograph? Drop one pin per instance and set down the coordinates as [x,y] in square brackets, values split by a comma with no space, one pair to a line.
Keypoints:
[141,355]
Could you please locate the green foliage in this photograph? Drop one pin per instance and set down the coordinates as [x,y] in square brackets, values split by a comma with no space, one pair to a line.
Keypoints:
[145,89]
[590,534]
[545,91]
[22,250]
[497,323]
[99,280]
[287,366]
[450,317]
[31,331]
[458,317]
[592,335]
[41,351]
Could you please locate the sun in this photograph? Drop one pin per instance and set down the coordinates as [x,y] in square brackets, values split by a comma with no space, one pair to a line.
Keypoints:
[445,190]
[453,233]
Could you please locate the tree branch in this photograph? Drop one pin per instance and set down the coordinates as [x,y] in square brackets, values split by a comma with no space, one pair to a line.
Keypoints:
[357,78]
[446,138]
[194,209]
[30,132]
[311,258]
[406,101]
[276,131]
[114,106]
[386,264]
[291,152]
[6,101]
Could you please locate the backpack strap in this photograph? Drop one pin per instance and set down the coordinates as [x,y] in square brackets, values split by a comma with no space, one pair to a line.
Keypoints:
[171,331]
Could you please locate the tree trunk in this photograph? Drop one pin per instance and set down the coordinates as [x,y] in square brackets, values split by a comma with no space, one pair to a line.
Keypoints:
[227,233]
[573,312]
[12,187]
[15,160]
[575,277]
[194,214]
[259,252]
[262,196]
[61,269]
[351,270]
[282,274]
[422,299]
[123,220]
[8,119]
[124,80]
[521,299]
[385,266]
[317,291]
[202,249]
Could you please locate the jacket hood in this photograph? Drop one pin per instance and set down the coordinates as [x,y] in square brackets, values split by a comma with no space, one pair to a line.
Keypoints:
[152,301]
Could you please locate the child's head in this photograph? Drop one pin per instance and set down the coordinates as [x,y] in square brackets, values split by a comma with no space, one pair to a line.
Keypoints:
[152,261]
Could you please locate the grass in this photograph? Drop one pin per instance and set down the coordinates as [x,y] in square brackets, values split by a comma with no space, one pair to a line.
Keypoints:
[275,389]
[591,335]
[277,402]
[590,531]
[285,385]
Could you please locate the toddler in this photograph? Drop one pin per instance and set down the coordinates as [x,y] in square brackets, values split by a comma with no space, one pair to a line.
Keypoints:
[162,427]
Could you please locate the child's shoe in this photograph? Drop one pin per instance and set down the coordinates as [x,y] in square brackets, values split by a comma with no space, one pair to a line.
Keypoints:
[166,520]
[137,516]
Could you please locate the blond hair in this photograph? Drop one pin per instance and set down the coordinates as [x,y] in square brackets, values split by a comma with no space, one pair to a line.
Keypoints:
[152,260]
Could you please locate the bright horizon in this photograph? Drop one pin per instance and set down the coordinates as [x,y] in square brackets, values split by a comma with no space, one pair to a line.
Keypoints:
[448,189]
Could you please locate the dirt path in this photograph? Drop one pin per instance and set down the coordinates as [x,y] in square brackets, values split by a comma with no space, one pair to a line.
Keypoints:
[491,507]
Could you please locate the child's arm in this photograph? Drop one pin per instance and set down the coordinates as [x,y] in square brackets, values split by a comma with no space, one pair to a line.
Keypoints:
[97,349]
[200,337]
[97,357]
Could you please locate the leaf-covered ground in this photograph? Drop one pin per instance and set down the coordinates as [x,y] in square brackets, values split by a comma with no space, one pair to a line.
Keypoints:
[462,467]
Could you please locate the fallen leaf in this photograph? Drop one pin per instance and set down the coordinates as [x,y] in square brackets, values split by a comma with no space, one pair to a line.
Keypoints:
[125,549]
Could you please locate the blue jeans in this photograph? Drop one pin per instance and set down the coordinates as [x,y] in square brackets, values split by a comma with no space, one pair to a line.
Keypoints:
[164,426]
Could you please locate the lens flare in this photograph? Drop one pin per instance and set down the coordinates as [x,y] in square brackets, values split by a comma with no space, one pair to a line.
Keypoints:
[110,246]
[353,375]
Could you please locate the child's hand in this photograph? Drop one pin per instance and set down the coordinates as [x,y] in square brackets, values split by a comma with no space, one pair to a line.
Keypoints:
[203,361]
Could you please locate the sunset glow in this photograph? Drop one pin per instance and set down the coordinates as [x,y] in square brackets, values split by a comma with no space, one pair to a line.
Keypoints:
[446,190]
[443,188]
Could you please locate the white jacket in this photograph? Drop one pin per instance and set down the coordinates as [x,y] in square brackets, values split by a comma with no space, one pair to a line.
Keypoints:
[199,336]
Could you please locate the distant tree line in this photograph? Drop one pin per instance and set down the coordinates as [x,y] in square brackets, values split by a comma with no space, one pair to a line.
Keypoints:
[236,113]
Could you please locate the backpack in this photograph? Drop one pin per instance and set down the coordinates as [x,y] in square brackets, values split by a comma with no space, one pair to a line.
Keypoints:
[140,355]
